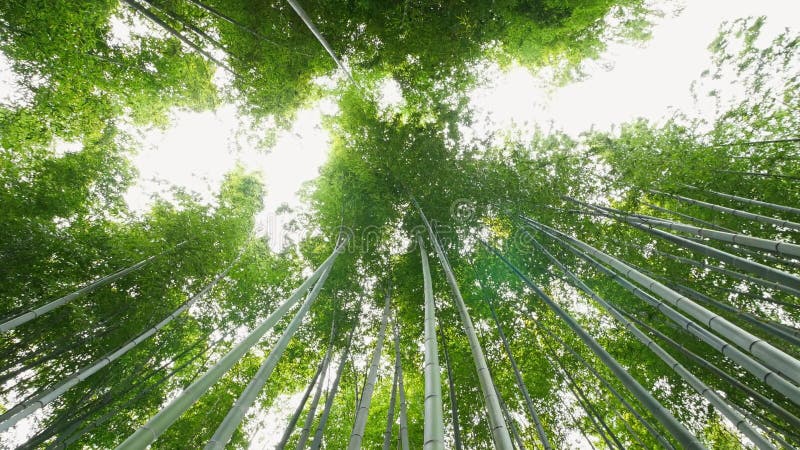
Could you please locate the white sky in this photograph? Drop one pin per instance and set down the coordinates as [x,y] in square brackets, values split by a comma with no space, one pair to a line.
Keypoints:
[646,81]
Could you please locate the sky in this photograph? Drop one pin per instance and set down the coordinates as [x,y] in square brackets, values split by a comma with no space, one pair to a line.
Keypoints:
[647,80]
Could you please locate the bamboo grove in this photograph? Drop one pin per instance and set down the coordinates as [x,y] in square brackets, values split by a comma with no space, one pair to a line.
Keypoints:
[637,289]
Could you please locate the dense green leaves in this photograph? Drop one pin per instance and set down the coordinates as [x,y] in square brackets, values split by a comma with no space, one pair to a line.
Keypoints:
[92,71]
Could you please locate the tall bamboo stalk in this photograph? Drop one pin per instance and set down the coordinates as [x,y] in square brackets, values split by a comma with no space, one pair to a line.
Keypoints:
[759,398]
[748,200]
[85,290]
[159,423]
[387,433]
[452,395]
[771,356]
[681,434]
[323,420]
[500,434]
[401,392]
[250,394]
[734,212]
[645,423]
[688,217]
[313,28]
[24,409]
[772,379]
[433,428]
[699,386]
[175,33]
[357,435]
[299,410]
[312,410]
[518,376]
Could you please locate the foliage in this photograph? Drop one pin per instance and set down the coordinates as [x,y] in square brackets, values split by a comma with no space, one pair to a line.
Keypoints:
[65,167]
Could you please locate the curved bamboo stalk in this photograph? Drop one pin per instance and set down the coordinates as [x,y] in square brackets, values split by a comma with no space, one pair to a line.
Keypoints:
[300,406]
[312,410]
[85,290]
[645,423]
[362,414]
[500,435]
[748,200]
[323,420]
[401,391]
[24,409]
[250,394]
[310,24]
[764,374]
[686,438]
[702,362]
[433,428]
[452,395]
[698,385]
[175,33]
[157,424]
[771,356]
[518,376]
[734,212]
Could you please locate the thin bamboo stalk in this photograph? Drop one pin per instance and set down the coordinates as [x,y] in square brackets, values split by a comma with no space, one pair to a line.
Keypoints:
[159,423]
[686,438]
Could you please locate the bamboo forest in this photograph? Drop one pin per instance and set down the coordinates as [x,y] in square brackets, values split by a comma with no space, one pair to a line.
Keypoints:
[440,283]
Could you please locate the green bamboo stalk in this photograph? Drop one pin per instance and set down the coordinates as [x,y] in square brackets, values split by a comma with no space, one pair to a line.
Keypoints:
[748,200]
[452,395]
[299,410]
[323,420]
[433,428]
[159,423]
[175,33]
[313,28]
[85,290]
[699,386]
[764,374]
[686,438]
[649,427]
[387,433]
[250,394]
[771,356]
[688,217]
[362,415]
[500,434]
[518,376]
[581,399]
[718,269]
[772,406]
[734,212]
[312,410]
[26,408]
[401,391]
